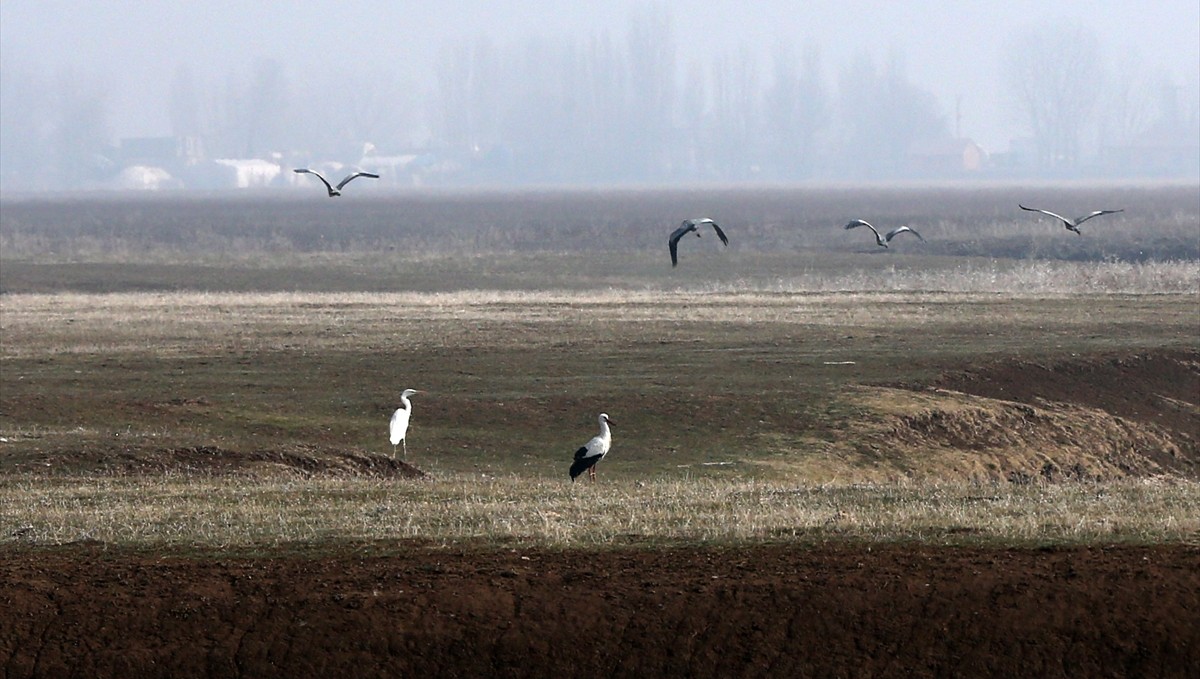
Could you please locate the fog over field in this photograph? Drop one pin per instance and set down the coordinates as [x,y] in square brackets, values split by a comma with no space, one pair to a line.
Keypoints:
[144,94]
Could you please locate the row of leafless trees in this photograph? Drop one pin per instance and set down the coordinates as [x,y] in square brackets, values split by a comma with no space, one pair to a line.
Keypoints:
[605,109]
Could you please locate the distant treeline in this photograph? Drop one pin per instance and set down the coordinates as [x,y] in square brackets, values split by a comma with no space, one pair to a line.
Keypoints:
[632,108]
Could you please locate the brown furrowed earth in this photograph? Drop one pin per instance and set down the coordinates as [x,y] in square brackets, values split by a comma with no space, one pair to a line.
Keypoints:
[766,610]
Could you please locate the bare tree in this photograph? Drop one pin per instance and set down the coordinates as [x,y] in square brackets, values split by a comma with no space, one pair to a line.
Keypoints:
[25,101]
[251,117]
[736,114]
[183,105]
[603,109]
[692,115]
[652,90]
[794,111]
[266,108]
[1128,102]
[1054,77]
[881,117]
[469,107]
[80,133]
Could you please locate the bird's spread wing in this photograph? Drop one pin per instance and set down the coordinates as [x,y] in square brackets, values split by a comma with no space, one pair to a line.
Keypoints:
[1097,213]
[902,229]
[862,222]
[324,181]
[1046,212]
[720,233]
[673,242]
[348,179]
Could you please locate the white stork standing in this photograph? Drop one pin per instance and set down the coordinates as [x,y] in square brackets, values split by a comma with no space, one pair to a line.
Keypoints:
[399,426]
[595,450]
[883,241]
[335,191]
[1071,224]
[689,225]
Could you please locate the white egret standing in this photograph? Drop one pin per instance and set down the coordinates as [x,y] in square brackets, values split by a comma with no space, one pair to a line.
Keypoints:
[335,191]
[1071,224]
[595,450]
[883,241]
[689,225]
[400,418]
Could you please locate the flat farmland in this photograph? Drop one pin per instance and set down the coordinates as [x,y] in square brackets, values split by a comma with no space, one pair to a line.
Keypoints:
[197,391]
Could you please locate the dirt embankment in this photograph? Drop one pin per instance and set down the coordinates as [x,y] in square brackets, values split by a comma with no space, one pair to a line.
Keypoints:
[1085,418]
[791,611]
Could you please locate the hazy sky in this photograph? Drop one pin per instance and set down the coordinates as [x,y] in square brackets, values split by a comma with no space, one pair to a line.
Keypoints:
[133,47]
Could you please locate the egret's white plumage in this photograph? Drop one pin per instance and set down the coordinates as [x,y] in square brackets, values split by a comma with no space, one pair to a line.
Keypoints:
[689,225]
[335,190]
[883,240]
[1071,224]
[399,426]
[595,450]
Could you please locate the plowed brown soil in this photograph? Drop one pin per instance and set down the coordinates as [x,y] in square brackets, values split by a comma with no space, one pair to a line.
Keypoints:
[785,611]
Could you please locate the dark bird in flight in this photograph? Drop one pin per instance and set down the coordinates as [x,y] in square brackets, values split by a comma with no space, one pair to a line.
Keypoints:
[1071,224]
[689,225]
[335,190]
[886,238]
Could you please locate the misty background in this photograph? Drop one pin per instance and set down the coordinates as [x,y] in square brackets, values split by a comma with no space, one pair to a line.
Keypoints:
[223,94]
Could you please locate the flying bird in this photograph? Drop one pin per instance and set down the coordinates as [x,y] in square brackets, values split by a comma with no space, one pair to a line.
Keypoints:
[886,238]
[684,228]
[595,450]
[1071,224]
[335,190]
[399,424]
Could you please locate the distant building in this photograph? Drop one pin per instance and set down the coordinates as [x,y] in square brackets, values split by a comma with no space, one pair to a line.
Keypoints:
[247,173]
[404,169]
[145,178]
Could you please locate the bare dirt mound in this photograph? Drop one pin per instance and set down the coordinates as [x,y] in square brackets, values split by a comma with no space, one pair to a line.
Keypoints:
[951,435]
[1156,391]
[1093,418]
[715,612]
[1160,388]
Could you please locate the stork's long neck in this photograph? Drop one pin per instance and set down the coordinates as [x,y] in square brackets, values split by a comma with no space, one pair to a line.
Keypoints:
[604,431]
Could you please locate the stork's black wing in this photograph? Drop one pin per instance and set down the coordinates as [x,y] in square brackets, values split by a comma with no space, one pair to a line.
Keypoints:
[582,464]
